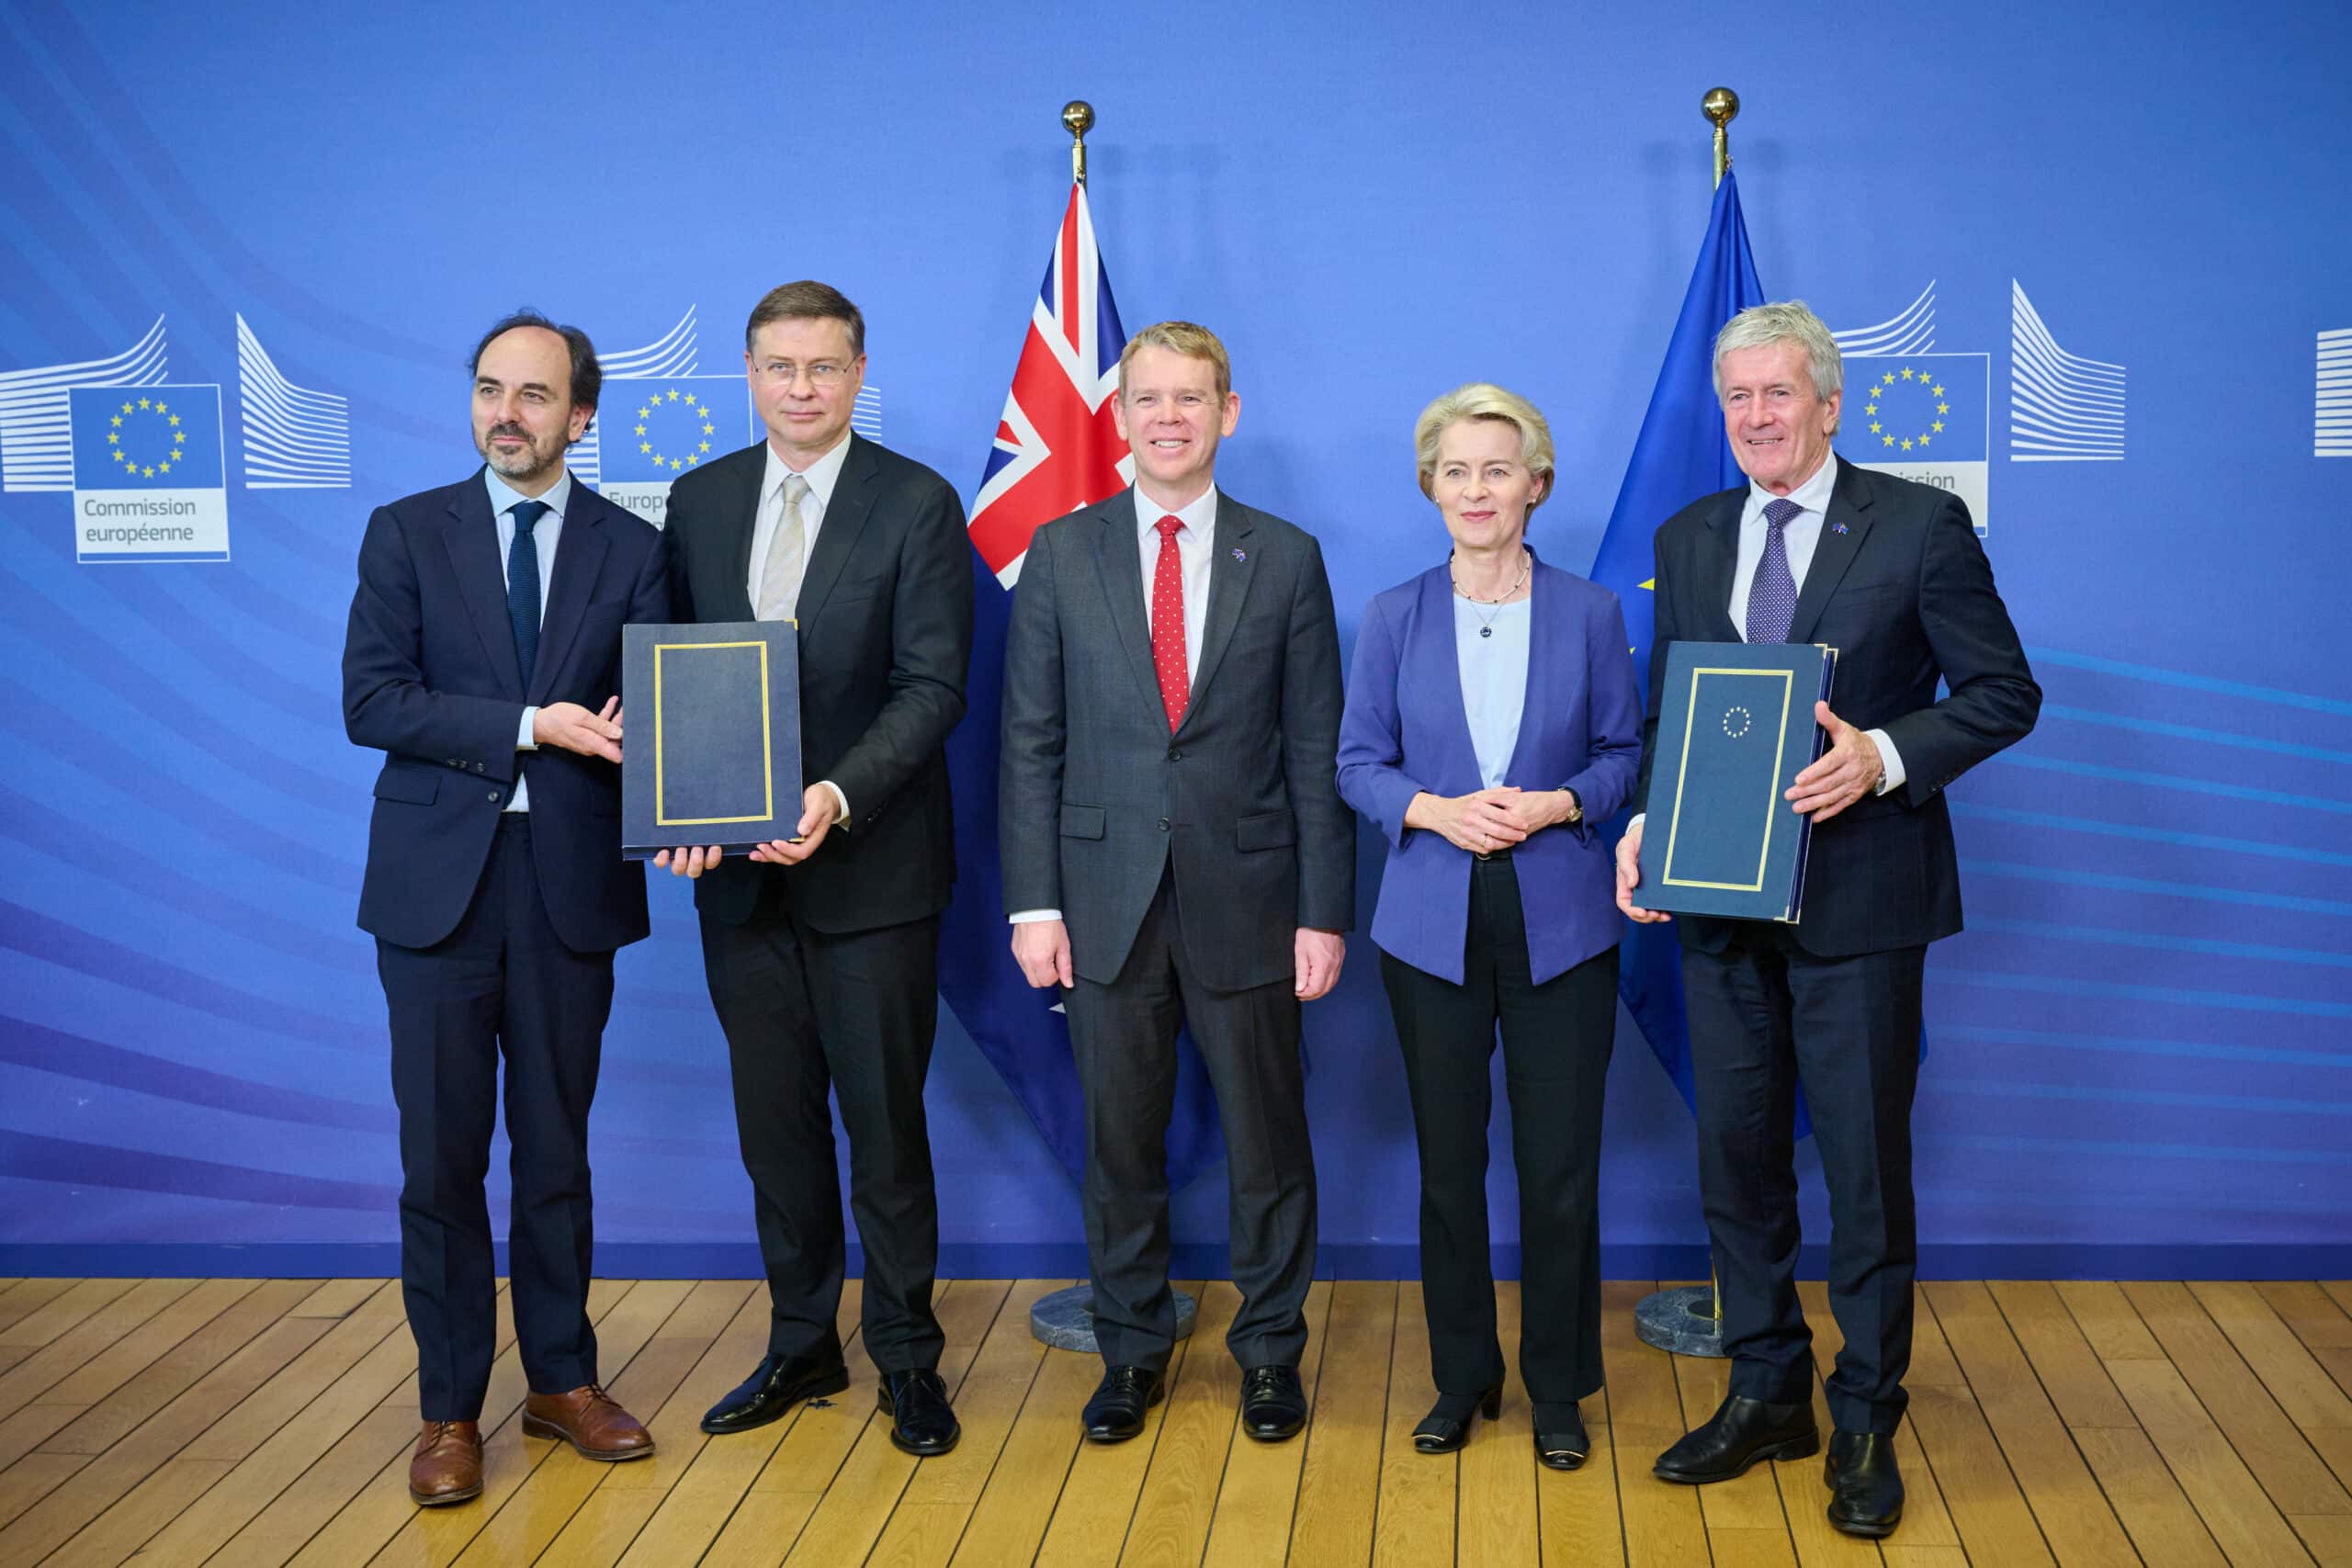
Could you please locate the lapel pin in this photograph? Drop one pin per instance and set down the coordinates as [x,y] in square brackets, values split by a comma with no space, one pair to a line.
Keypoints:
[1238,554]
[1837,527]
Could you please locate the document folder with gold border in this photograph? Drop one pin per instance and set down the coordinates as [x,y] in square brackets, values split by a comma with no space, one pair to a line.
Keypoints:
[1734,728]
[712,750]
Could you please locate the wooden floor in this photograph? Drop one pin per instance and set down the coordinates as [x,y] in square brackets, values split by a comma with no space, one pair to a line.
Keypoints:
[245,1422]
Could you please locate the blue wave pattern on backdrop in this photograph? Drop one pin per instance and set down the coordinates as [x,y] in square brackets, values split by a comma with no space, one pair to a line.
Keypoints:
[2145,1038]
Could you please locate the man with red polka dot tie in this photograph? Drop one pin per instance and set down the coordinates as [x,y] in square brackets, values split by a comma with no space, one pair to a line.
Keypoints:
[1175,853]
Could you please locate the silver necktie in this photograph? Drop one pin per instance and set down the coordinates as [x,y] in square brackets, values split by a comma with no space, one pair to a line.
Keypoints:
[788,556]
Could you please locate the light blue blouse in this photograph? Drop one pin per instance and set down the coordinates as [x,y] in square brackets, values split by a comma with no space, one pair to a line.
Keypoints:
[1494,678]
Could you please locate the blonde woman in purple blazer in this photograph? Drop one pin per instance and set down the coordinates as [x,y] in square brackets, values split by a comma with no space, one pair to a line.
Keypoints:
[1492,719]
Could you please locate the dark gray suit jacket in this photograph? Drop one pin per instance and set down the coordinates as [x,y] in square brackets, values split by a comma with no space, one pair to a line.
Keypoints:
[1097,798]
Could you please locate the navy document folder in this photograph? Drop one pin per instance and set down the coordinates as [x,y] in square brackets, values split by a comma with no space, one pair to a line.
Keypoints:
[712,750]
[1735,730]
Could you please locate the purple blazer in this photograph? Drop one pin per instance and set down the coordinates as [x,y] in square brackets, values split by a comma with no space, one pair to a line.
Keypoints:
[1405,731]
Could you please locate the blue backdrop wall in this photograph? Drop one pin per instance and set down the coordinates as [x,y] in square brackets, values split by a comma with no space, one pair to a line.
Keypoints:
[2128,225]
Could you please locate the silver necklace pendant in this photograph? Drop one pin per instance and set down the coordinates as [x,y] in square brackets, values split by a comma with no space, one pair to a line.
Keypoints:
[1486,631]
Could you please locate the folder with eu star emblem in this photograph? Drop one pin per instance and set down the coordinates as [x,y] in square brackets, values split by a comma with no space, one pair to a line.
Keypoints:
[1734,728]
[713,750]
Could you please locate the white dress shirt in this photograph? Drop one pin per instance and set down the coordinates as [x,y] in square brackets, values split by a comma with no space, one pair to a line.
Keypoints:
[1803,534]
[1195,557]
[545,534]
[1195,554]
[822,474]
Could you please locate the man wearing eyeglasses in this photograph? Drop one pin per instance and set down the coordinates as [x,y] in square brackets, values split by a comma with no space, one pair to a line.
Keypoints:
[820,950]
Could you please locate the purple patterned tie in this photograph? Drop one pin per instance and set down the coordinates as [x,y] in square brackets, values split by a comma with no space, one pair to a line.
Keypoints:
[1772,597]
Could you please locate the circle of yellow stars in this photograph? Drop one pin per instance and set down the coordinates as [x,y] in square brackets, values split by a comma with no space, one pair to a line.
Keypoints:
[1739,715]
[121,453]
[1880,393]
[701,413]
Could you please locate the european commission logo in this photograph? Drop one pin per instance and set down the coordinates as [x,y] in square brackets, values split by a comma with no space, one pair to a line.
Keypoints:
[657,429]
[1916,413]
[148,474]
[1926,417]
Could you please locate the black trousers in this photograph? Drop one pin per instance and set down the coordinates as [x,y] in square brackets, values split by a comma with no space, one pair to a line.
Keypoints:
[806,1012]
[502,982]
[1766,1015]
[1125,1036]
[1557,1040]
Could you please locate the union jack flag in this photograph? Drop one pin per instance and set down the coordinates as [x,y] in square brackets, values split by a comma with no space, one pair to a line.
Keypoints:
[1056,448]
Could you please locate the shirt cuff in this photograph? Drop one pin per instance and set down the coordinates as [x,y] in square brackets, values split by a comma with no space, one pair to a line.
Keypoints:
[1031,917]
[840,803]
[1890,759]
[524,740]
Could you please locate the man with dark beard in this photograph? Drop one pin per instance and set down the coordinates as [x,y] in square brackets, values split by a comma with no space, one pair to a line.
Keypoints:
[481,659]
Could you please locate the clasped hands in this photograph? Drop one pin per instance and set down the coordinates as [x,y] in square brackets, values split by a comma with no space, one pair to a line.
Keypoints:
[817,810]
[1841,776]
[1490,820]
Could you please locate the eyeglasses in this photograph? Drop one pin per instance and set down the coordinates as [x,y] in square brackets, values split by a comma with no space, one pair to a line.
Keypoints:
[824,375]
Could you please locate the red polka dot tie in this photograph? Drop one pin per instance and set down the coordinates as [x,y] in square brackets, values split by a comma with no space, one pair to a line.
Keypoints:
[1168,624]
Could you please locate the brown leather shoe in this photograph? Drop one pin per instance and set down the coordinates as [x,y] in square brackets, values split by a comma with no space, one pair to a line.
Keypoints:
[589,1420]
[447,1466]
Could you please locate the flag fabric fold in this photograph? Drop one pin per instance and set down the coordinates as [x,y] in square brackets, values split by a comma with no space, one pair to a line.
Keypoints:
[1056,448]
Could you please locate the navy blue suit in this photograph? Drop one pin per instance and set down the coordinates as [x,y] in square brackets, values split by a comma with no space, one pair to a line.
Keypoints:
[494,930]
[1900,586]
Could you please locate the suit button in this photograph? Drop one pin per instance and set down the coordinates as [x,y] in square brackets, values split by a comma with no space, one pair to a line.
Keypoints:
[1174,755]
[1163,824]
[493,797]
[478,768]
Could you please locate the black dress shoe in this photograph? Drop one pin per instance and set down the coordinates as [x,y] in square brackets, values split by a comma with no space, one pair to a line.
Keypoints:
[774,1387]
[921,1421]
[1273,1404]
[1447,1427]
[1115,1413]
[1865,1492]
[1739,1433]
[1561,1442]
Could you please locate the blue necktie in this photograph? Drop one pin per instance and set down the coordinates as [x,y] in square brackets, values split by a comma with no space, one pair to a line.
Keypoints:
[1772,597]
[522,585]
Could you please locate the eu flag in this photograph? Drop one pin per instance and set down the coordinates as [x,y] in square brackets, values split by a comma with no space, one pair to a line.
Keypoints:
[1917,408]
[146,438]
[658,427]
[1680,456]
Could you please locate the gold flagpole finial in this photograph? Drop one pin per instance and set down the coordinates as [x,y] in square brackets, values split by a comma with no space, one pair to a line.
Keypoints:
[1078,118]
[1722,106]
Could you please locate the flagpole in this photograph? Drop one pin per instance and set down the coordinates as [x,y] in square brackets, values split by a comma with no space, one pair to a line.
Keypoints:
[1721,105]
[1688,1320]
[1078,117]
